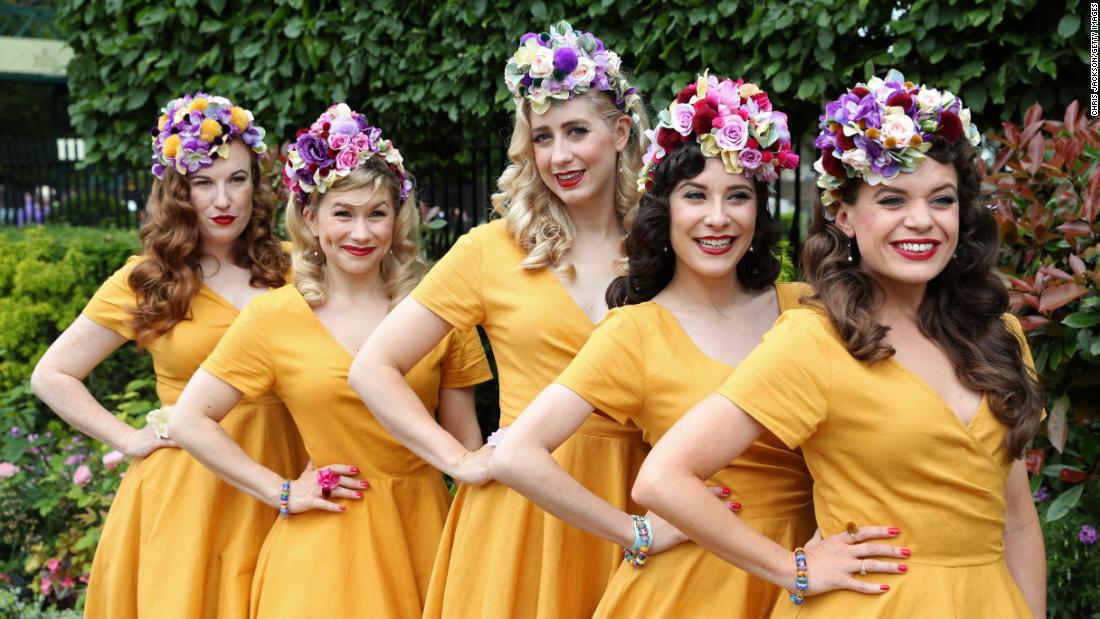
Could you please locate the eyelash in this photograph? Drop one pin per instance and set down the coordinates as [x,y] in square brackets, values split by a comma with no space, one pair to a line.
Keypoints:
[898,201]
[735,197]
[573,131]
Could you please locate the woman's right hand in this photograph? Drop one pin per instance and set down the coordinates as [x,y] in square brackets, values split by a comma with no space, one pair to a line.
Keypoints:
[473,467]
[142,442]
[832,562]
[666,536]
[306,493]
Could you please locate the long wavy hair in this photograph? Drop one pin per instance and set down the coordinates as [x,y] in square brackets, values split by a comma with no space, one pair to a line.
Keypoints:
[536,218]
[402,266]
[650,260]
[169,276]
[962,310]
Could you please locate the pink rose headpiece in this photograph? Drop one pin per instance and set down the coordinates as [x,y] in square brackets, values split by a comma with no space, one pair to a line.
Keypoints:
[730,119]
[880,129]
[194,129]
[563,63]
[339,141]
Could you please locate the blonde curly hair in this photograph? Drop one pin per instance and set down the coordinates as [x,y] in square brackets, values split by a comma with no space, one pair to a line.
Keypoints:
[402,266]
[536,218]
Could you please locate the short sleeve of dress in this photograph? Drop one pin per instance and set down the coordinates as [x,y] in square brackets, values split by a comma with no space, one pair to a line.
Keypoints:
[452,288]
[242,357]
[609,370]
[784,382]
[1017,329]
[112,305]
[465,364]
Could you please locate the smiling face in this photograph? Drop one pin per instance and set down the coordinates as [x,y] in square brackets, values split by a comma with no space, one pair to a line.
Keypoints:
[354,228]
[221,195]
[712,217]
[907,231]
[576,150]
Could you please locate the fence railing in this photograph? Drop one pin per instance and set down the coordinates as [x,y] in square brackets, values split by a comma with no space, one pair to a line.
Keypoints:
[40,182]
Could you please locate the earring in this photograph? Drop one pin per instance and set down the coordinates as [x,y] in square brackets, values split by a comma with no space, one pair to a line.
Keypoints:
[849,250]
[665,248]
[752,248]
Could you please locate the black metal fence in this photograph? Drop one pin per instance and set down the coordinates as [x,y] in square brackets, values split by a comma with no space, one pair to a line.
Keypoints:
[40,182]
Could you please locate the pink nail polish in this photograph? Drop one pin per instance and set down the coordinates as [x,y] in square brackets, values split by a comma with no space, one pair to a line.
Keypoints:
[903,567]
[364,484]
[905,552]
[343,508]
[893,530]
[358,495]
[884,587]
[354,470]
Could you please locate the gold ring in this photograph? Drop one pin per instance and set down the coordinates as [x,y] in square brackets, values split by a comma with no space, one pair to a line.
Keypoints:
[863,567]
[851,529]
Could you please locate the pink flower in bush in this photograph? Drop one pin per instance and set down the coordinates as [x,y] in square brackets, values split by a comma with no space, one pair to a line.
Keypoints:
[52,565]
[45,585]
[68,582]
[74,459]
[112,459]
[7,469]
[82,475]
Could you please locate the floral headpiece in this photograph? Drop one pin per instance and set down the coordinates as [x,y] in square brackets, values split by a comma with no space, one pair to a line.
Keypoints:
[730,119]
[562,64]
[339,141]
[193,129]
[882,128]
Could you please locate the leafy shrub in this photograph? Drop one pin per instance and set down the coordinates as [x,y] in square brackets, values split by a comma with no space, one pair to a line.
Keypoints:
[55,487]
[1046,189]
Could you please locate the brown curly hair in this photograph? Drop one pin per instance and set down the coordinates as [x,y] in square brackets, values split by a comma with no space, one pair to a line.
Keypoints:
[650,265]
[169,276]
[962,310]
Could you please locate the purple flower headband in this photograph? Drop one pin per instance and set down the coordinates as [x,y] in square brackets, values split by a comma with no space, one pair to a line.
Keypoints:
[339,141]
[563,63]
[194,129]
[730,119]
[880,129]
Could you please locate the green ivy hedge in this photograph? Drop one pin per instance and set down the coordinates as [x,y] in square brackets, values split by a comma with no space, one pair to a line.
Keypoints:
[431,73]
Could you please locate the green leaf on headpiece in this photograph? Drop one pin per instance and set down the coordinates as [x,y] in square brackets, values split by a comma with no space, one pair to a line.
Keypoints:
[587,44]
[769,139]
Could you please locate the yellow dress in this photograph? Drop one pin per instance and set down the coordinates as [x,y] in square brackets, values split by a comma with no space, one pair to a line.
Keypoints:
[640,365]
[373,560]
[883,448]
[178,542]
[501,555]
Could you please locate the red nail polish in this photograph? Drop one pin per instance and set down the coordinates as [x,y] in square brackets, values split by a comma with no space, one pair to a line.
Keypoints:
[893,530]
[726,491]
[905,552]
[884,587]
[903,567]
[358,495]
[354,470]
[364,484]
[343,507]
[735,506]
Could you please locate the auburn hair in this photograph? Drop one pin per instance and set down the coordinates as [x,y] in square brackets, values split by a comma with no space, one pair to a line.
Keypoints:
[963,307]
[169,275]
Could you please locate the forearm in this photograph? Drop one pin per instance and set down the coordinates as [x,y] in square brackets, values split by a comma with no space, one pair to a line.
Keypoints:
[70,399]
[684,501]
[396,406]
[205,439]
[532,471]
[1025,555]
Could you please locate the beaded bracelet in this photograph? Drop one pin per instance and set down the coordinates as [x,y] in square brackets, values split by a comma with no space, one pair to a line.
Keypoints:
[643,539]
[801,581]
[284,500]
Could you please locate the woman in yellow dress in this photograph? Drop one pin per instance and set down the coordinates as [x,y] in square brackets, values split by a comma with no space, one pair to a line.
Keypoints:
[699,294]
[353,220]
[907,386]
[535,280]
[177,542]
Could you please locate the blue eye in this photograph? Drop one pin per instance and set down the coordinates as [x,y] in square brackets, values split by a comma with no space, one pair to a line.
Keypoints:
[540,137]
[578,130]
